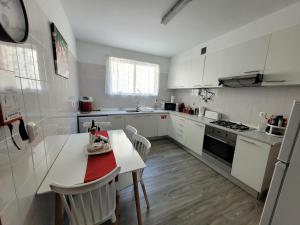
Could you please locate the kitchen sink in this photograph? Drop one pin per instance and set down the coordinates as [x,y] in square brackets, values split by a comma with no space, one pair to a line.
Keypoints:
[132,110]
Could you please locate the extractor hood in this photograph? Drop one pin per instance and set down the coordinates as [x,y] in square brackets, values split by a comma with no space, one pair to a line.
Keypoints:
[246,80]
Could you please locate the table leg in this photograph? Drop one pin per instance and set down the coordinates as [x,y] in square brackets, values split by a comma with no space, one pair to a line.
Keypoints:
[58,210]
[137,197]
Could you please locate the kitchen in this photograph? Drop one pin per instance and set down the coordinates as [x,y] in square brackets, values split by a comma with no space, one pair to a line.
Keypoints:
[214,103]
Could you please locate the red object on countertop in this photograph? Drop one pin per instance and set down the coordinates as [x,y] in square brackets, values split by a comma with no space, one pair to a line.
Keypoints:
[86,104]
[99,165]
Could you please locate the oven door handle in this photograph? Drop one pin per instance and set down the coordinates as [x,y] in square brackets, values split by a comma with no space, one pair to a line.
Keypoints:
[218,139]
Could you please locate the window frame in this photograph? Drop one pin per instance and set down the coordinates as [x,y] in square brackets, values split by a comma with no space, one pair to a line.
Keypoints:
[108,80]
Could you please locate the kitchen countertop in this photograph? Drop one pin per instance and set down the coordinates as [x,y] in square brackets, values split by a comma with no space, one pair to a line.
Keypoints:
[252,133]
[117,112]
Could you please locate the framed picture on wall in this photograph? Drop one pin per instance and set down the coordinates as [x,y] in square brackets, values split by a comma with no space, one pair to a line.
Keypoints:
[60,52]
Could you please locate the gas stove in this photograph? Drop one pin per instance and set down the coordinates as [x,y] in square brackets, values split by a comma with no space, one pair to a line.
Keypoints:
[231,125]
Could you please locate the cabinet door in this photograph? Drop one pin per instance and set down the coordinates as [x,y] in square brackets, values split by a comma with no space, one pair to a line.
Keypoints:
[136,121]
[177,129]
[117,122]
[172,74]
[163,124]
[195,72]
[250,161]
[179,69]
[236,60]
[150,125]
[171,128]
[283,67]
[195,136]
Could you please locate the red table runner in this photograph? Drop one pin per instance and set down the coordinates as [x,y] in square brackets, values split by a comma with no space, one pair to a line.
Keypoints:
[99,165]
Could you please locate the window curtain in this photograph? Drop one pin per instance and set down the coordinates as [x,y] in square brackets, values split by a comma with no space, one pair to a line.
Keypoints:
[129,77]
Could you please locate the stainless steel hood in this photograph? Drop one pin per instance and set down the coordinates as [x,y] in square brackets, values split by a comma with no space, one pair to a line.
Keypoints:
[247,80]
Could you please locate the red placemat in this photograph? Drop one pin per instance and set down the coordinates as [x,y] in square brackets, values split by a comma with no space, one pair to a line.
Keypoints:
[99,165]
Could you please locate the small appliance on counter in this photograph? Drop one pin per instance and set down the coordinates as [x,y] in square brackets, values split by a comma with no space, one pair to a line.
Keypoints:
[170,106]
[86,104]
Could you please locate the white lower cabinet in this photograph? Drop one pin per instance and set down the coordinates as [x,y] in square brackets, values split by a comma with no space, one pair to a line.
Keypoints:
[150,124]
[163,124]
[250,162]
[177,128]
[117,122]
[136,121]
[195,136]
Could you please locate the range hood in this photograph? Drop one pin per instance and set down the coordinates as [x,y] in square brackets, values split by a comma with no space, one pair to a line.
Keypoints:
[253,79]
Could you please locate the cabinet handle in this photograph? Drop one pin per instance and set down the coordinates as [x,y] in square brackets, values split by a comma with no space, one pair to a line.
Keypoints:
[274,81]
[252,71]
[249,142]
[218,139]
[208,85]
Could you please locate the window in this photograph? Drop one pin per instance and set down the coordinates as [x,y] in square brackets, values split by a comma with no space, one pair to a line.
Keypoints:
[129,77]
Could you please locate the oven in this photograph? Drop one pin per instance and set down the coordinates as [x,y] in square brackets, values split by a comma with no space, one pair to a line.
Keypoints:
[219,145]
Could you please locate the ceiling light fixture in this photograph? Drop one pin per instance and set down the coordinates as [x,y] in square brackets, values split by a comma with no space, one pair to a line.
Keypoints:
[174,10]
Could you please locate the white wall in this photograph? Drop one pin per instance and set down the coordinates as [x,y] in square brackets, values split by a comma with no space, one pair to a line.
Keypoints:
[45,98]
[276,21]
[92,72]
[56,13]
[244,104]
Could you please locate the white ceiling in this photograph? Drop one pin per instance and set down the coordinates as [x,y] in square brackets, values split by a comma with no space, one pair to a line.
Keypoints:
[135,24]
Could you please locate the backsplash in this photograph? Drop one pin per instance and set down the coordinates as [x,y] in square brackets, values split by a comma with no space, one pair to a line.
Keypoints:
[92,83]
[244,104]
[48,100]
[92,72]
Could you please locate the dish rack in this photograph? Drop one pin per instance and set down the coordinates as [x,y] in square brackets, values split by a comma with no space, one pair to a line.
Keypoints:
[275,131]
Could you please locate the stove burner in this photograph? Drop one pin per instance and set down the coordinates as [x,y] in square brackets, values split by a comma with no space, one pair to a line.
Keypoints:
[231,125]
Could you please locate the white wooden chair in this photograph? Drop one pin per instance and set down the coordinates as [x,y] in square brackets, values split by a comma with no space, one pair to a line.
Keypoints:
[143,146]
[90,203]
[101,125]
[131,131]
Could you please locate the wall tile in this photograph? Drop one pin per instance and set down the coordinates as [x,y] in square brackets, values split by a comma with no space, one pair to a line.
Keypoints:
[21,161]
[10,215]
[244,104]
[31,102]
[7,190]
[25,197]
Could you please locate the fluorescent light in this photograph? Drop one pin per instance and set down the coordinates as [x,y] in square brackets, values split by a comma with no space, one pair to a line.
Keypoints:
[176,8]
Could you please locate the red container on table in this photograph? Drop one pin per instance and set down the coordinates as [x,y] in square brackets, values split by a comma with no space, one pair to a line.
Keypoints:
[86,104]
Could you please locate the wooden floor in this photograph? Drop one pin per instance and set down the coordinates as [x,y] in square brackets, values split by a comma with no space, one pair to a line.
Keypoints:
[184,191]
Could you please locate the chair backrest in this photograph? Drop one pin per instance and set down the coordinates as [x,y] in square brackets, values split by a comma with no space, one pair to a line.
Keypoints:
[90,203]
[101,125]
[142,145]
[131,131]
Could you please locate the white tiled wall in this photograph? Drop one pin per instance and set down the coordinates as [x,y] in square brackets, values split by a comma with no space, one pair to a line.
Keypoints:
[92,83]
[48,100]
[244,104]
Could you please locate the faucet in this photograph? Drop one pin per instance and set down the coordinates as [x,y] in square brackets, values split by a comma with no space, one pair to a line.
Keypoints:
[137,105]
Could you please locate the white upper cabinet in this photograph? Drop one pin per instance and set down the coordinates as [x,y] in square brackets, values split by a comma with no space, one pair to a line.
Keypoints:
[194,79]
[186,71]
[283,67]
[236,60]
[178,71]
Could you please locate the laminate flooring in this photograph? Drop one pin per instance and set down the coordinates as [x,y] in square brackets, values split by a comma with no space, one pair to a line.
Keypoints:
[184,191]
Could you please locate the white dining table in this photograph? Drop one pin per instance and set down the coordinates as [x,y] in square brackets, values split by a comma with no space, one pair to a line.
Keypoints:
[70,166]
